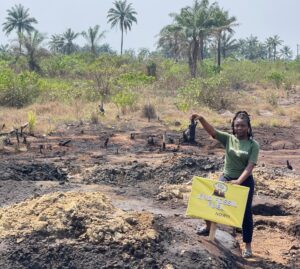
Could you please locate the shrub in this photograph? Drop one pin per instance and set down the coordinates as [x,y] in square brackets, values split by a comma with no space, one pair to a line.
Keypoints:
[131,79]
[151,69]
[31,121]
[277,78]
[18,90]
[172,76]
[240,73]
[272,98]
[64,65]
[125,99]
[149,111]
[102,75]
[182,105]
[211,92]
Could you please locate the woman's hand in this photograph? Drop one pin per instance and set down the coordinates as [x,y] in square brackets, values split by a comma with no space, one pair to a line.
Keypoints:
[195,117]
[207,127]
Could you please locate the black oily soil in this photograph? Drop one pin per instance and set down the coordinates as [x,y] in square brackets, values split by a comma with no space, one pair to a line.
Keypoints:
[66,251]
[32,171]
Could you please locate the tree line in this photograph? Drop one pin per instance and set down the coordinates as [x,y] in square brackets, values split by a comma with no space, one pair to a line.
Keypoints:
[18,19]
[205,30]
[200,31]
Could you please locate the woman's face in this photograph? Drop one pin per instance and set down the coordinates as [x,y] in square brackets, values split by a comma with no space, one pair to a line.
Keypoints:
[241,128]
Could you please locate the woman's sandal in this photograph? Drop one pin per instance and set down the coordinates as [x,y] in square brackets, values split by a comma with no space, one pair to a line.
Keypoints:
[247,254]
[202,230]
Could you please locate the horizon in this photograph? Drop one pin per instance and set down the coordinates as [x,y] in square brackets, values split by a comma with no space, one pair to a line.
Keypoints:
[266,16]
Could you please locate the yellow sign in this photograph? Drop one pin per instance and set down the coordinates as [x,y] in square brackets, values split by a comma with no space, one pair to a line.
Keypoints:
[217,201]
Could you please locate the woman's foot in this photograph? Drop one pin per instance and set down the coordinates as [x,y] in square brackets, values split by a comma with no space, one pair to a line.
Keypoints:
[247,253]
[202,230]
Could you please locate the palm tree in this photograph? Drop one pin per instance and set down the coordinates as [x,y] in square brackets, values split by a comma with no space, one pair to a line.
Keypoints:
[276,41]
[5,52]
[32,44]
[204,23]
[4,48]
[105,49]
[92,36]
[269,46]
[222,23]
[173,41]
[123,15]
[228,44]
[251,44]
[56,43]
[18,19]
[286,53]
[251,49]
[196,23]
[69,36]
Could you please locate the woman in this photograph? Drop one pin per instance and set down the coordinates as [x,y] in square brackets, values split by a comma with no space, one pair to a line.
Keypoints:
[241,153]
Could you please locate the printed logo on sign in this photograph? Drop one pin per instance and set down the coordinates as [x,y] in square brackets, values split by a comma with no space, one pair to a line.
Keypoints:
[220,189]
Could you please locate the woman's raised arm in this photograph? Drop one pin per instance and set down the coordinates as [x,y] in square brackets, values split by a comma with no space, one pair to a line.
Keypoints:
[207,127]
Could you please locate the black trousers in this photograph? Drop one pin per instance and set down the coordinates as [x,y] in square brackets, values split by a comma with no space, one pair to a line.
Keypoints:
[248,217]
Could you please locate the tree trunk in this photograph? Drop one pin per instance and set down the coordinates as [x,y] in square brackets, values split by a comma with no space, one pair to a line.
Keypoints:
[176,49]
[201,48]
[93,49]
[20,42]
[122,33]
[270,54]
[195,51]
[219,49]
[190,58]
[274,53]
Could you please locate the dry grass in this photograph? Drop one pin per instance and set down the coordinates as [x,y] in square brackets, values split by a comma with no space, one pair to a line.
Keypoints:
[255,102]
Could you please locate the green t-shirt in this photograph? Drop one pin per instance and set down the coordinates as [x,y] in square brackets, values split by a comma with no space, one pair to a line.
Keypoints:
[238,153]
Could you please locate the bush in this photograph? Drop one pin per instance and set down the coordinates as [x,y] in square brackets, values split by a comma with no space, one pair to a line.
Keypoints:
[67,91]
[172,76]
[65,65]
[241,73]
[131,79]
[18,90]
[124,100]
[31,121]
[151,69]
[211,92]
[277,78]
[272,98]
[149,111]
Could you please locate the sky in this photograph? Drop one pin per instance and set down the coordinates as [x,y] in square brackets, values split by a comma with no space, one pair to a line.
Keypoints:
[261,18]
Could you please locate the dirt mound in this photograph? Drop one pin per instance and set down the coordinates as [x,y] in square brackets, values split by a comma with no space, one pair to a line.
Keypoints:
[171,170]
[89,216]
[32,171]
[72,218]
[84,230]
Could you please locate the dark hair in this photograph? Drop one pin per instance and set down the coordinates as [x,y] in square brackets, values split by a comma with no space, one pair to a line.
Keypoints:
[244,116]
